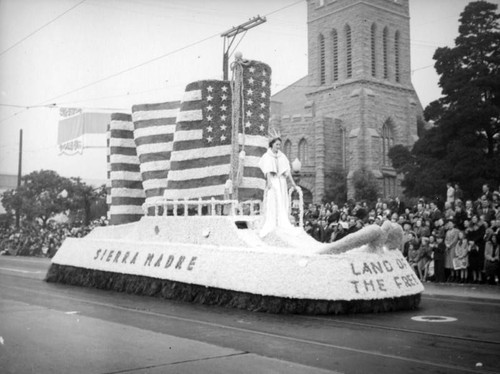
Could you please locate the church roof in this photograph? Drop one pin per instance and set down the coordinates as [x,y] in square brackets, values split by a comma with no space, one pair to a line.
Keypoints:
[293,98]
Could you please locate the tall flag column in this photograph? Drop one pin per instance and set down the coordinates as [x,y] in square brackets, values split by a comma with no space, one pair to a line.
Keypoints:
[254,88]
[154,127]
[127,193]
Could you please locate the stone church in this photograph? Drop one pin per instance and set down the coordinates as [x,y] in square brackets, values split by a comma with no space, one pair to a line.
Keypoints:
[357,100]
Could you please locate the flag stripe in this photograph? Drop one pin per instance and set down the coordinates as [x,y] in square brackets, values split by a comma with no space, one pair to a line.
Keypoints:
[126,151]
[127,184]
[126,175]
[155,157]
[200,172]
[155,174]
[158,138]
[127,192]
[155,129]
[148,115]
[123,167]
[123,159]
[154,184]
[190,115]
[182,155]
[159,122]
[191,95]
[154,148]
[201,162]
[120,125]
[156,165]
[121,142]
[122,134]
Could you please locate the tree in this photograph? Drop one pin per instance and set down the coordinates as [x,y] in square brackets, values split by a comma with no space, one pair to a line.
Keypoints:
[365,185]
[82,198]
[39,196]
[464,145]
[45,193]
[336,189]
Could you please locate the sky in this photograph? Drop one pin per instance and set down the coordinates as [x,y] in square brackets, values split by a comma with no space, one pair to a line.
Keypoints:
[112,54]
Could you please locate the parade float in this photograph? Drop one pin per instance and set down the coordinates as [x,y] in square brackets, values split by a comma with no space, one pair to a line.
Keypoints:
[199,207]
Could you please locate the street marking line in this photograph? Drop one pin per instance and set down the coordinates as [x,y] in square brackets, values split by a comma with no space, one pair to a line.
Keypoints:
[267,334]
[22,271]
[434,319]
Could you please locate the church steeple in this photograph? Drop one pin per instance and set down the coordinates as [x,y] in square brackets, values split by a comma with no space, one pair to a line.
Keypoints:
[351,40]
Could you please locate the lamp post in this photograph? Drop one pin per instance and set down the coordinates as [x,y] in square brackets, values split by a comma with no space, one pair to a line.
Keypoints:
[296,166]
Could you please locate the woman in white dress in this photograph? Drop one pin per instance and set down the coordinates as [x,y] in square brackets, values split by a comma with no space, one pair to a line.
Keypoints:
[276,168]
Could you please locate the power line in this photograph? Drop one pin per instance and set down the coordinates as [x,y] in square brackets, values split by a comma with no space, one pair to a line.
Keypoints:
[41,27]
[130,68]
[157,58]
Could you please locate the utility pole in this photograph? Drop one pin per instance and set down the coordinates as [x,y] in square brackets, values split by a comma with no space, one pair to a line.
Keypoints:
[19,173]
[231,34]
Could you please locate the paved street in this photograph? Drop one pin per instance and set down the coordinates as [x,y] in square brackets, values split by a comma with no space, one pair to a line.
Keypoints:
[53,328]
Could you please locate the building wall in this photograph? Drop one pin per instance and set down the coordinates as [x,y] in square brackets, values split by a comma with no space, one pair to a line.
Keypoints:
[354,109]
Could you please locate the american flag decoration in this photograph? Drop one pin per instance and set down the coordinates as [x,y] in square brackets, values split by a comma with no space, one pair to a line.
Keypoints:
[127,194]
[202,152]
[154,127]
[108,167]
[254,88]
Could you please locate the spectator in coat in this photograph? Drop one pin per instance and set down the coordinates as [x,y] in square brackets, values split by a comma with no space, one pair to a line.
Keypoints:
[461,261]
[425,258]
[439,256]
[491,260]
[450,241]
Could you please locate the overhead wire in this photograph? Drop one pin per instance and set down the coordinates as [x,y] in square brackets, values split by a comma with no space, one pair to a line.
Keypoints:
[44,102]
[40,28]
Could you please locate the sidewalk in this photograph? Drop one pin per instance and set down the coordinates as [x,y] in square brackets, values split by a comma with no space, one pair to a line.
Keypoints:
[481,291]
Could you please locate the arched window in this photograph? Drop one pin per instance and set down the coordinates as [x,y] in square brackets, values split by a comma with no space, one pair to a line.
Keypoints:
[287,149]
[303,152]
[348,43]
[390,185]
[373,49]
[396,56]
[322,60]
[385,46]
[335,54]
[387,141]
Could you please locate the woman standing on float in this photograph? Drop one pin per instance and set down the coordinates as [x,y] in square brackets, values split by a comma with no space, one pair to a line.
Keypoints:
[276,169]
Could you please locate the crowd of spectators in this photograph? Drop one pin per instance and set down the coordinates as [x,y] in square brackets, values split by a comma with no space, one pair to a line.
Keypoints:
[453,241]
[33,239]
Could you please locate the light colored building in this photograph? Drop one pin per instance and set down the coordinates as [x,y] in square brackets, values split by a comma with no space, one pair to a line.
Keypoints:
[357,100]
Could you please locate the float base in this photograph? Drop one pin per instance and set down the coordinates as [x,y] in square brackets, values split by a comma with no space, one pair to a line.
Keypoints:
[148,286]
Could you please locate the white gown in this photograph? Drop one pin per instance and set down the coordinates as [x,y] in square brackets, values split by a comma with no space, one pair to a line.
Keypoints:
[276,202]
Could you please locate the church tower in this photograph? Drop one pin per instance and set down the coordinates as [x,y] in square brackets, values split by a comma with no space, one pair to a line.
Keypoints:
[360,75]
[357,100]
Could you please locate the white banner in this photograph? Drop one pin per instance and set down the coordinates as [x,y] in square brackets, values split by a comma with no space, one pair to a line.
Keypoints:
[352,275]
